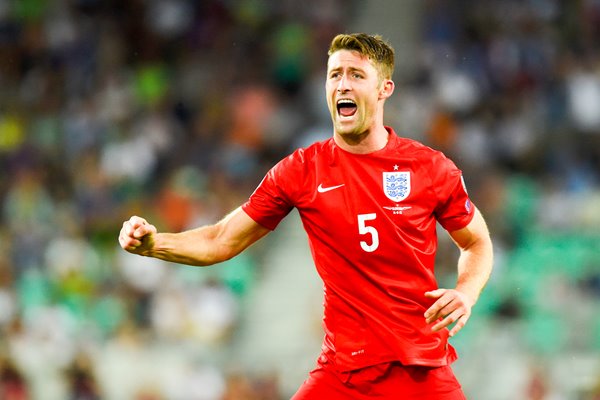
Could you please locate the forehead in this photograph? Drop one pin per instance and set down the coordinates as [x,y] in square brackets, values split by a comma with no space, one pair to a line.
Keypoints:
[349,59]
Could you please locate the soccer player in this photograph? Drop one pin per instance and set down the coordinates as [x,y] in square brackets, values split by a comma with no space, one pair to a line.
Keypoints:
[369,201]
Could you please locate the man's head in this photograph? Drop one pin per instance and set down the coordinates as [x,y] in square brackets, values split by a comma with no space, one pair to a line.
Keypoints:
[373,47]
[359,72]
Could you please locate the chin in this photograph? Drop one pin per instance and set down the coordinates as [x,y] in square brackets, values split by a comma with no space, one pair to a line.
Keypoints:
[351,128]
[346,128]
[345,132]
[351,135]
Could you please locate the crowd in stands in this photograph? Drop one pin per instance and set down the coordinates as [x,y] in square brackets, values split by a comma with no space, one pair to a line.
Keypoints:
[175,109]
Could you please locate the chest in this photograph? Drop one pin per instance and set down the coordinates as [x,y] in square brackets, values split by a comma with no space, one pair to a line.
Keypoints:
[388,196]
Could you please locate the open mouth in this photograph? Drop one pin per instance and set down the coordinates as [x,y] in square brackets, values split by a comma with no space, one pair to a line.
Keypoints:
[346,107]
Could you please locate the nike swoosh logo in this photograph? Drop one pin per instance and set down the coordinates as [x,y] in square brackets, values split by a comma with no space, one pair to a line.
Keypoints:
[322,189]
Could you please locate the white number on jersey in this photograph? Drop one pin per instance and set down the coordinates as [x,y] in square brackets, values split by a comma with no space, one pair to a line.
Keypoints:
[365,229]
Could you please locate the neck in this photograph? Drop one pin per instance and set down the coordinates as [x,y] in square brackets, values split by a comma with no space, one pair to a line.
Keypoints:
[367,142]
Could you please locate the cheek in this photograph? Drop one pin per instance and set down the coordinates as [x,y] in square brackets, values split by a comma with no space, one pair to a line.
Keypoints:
[328,97]
[372,102]
[330,106]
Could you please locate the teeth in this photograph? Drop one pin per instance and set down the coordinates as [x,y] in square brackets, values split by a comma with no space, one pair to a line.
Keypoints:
[346,101]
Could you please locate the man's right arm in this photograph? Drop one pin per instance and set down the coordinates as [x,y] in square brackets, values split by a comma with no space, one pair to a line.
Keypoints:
[202,246]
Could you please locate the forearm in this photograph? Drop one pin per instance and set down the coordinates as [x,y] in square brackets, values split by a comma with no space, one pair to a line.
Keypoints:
[197,247]
[209,244]
[476,257]
[474,269]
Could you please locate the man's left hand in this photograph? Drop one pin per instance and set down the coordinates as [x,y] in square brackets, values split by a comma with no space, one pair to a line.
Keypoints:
[451,306]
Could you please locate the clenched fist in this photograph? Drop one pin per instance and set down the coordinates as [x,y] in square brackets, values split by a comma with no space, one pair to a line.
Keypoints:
[137,236]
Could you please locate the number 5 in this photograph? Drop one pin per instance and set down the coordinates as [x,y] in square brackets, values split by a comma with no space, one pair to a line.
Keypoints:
[364,229]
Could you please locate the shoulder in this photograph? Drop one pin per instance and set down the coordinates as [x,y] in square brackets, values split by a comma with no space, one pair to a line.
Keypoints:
[306,156]
[429,162]
[300,164]
[419,151]
[290,177]
[414,145]
[309,153]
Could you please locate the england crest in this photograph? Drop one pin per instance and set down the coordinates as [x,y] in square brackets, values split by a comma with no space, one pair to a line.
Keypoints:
[396,185]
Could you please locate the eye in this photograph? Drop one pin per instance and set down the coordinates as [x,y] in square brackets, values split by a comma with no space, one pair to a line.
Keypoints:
[357,75]
[334,75]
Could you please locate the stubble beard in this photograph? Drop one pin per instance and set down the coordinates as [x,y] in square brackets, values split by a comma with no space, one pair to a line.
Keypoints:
[353,134]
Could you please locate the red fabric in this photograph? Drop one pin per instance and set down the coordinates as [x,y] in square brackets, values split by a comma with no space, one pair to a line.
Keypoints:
[375,252]
[382,381]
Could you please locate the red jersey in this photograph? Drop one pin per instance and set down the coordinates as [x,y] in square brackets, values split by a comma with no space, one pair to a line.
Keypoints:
[371,225]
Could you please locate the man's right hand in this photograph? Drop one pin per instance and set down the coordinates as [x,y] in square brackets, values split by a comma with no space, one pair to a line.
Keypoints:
[137,236]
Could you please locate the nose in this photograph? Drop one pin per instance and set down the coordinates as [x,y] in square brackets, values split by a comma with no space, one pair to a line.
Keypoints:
[343,84]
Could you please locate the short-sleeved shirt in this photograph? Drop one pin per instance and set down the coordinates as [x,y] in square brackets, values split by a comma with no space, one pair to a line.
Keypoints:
[371,225]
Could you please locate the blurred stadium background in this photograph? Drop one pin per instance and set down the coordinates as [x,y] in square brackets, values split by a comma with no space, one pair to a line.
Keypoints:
[174,110]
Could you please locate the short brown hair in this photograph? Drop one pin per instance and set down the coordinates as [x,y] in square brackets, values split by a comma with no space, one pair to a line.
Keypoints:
[374,47]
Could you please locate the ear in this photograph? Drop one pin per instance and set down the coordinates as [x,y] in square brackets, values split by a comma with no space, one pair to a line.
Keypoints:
[387,88]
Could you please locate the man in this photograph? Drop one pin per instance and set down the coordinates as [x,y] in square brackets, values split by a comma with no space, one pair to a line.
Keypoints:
[369,202]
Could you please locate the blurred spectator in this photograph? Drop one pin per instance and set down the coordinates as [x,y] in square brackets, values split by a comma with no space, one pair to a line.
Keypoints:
[537,388]
[13,385]
[81,381]
[28,212]
[212,311]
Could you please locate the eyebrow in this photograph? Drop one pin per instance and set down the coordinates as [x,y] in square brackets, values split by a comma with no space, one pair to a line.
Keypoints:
[351,69]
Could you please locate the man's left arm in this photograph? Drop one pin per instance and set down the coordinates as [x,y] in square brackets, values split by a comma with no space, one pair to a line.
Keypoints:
[474,269]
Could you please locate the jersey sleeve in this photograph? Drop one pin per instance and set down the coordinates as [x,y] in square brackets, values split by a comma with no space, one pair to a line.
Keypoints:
[454,210]
[272,199]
